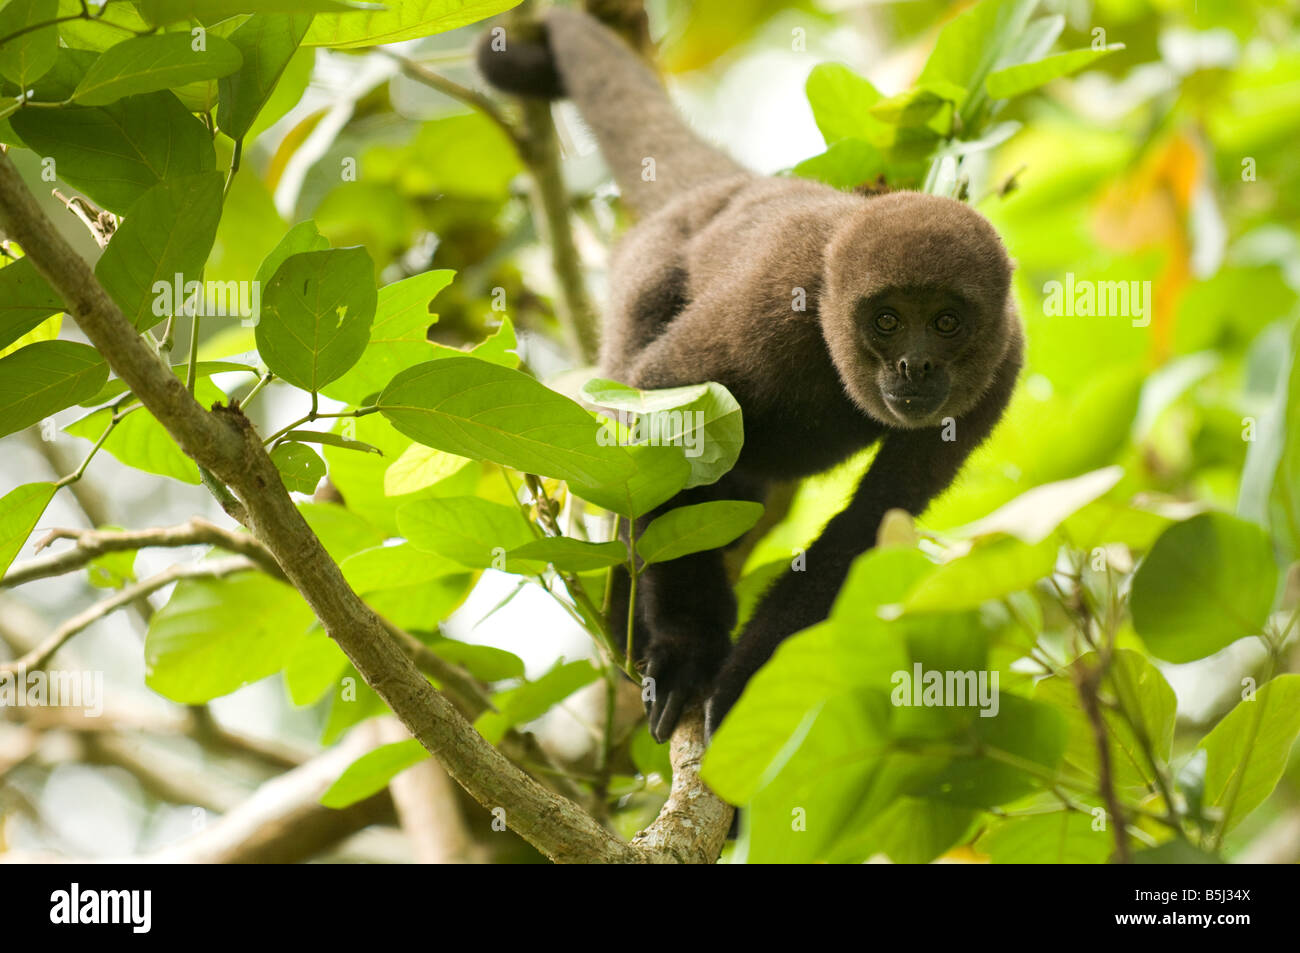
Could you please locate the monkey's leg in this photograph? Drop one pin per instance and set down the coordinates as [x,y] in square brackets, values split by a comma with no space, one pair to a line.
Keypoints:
[689,610]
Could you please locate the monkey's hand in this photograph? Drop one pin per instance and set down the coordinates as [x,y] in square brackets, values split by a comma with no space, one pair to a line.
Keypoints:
[679,671]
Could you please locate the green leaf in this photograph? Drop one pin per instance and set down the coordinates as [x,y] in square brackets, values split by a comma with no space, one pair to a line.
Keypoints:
[916,106]
[475,532]
[703,419]
[301,467]
[911,830]
[534,699]
[479,410]
[106,29]
[146,64]
[266,43]
[341,531]
[315,667]
[693,529]
[398,337]
[990,570]
[1055,837]
[484,662]
[1017,80]
[572,555]
[43,378]
[169,232]
[1270,482]
[118,152]
[1247,751]
[371,773]
[406,20]
[162,12]
[26,58]
[20,510]
[214,636]
[303,237]
[971,44]
[316,315]
[387,567]
[140,441]
[420,467]
[202,369]
[26,300]
[1035,514]
[1206,583]
[331,440]
[841,102]
[1146,697]
[847,164]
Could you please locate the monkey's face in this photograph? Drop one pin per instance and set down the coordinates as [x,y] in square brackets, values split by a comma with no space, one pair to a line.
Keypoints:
[915,309]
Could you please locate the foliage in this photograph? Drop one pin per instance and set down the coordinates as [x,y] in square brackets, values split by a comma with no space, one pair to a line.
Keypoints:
[1137,507]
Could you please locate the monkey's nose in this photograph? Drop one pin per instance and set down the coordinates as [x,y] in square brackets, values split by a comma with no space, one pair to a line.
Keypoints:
[905,368]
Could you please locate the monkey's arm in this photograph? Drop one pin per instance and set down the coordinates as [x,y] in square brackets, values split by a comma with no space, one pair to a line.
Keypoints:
[911,468]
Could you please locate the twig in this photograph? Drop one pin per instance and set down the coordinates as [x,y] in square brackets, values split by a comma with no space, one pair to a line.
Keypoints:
[38,656]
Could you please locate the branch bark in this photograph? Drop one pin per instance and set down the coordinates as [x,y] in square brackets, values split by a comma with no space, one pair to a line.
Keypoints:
[224,442]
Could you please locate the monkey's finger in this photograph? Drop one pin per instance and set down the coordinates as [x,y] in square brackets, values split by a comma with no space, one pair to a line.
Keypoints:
[669,705]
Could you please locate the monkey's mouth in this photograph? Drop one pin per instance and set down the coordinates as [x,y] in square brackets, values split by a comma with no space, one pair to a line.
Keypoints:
[913,407]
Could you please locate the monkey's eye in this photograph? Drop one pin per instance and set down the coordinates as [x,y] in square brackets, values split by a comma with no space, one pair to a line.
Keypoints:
[887,322]
[947,323]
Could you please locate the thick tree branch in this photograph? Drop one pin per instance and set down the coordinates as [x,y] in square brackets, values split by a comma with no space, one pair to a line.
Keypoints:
[224,442]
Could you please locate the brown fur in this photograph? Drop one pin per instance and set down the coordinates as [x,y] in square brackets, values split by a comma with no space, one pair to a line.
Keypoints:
[704,287]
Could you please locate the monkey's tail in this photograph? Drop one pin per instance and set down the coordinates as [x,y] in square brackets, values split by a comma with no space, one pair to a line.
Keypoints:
[652,152]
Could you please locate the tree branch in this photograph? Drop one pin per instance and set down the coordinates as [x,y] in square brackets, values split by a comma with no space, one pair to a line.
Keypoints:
[41,654]
[91,544]
[225,442]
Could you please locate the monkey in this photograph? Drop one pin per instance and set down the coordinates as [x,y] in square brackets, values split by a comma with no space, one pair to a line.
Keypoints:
[837,320]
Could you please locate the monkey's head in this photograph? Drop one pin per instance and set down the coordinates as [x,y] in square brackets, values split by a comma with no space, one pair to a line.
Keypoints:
[915,307]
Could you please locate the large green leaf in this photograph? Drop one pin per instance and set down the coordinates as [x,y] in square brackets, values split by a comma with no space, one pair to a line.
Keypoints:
[371,773]
[161,12]
[693,529]
[703,419]
[841,102]
[991,570]
[534,699]
[266,43]
[398,337]
[475,532]
[972,43]
[29,56]
[1270,482]
[1054,837]
[1206,583]
[169,232]
[316,315]
[1247,751]
[118,152]
[214,636]
[26,299]
[402,20]
[107,28]
[20,510]
[480,410]
[1016,80]
[44,378]
[146,64]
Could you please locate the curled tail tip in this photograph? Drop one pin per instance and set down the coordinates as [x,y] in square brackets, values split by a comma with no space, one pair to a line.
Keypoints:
[518,60]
